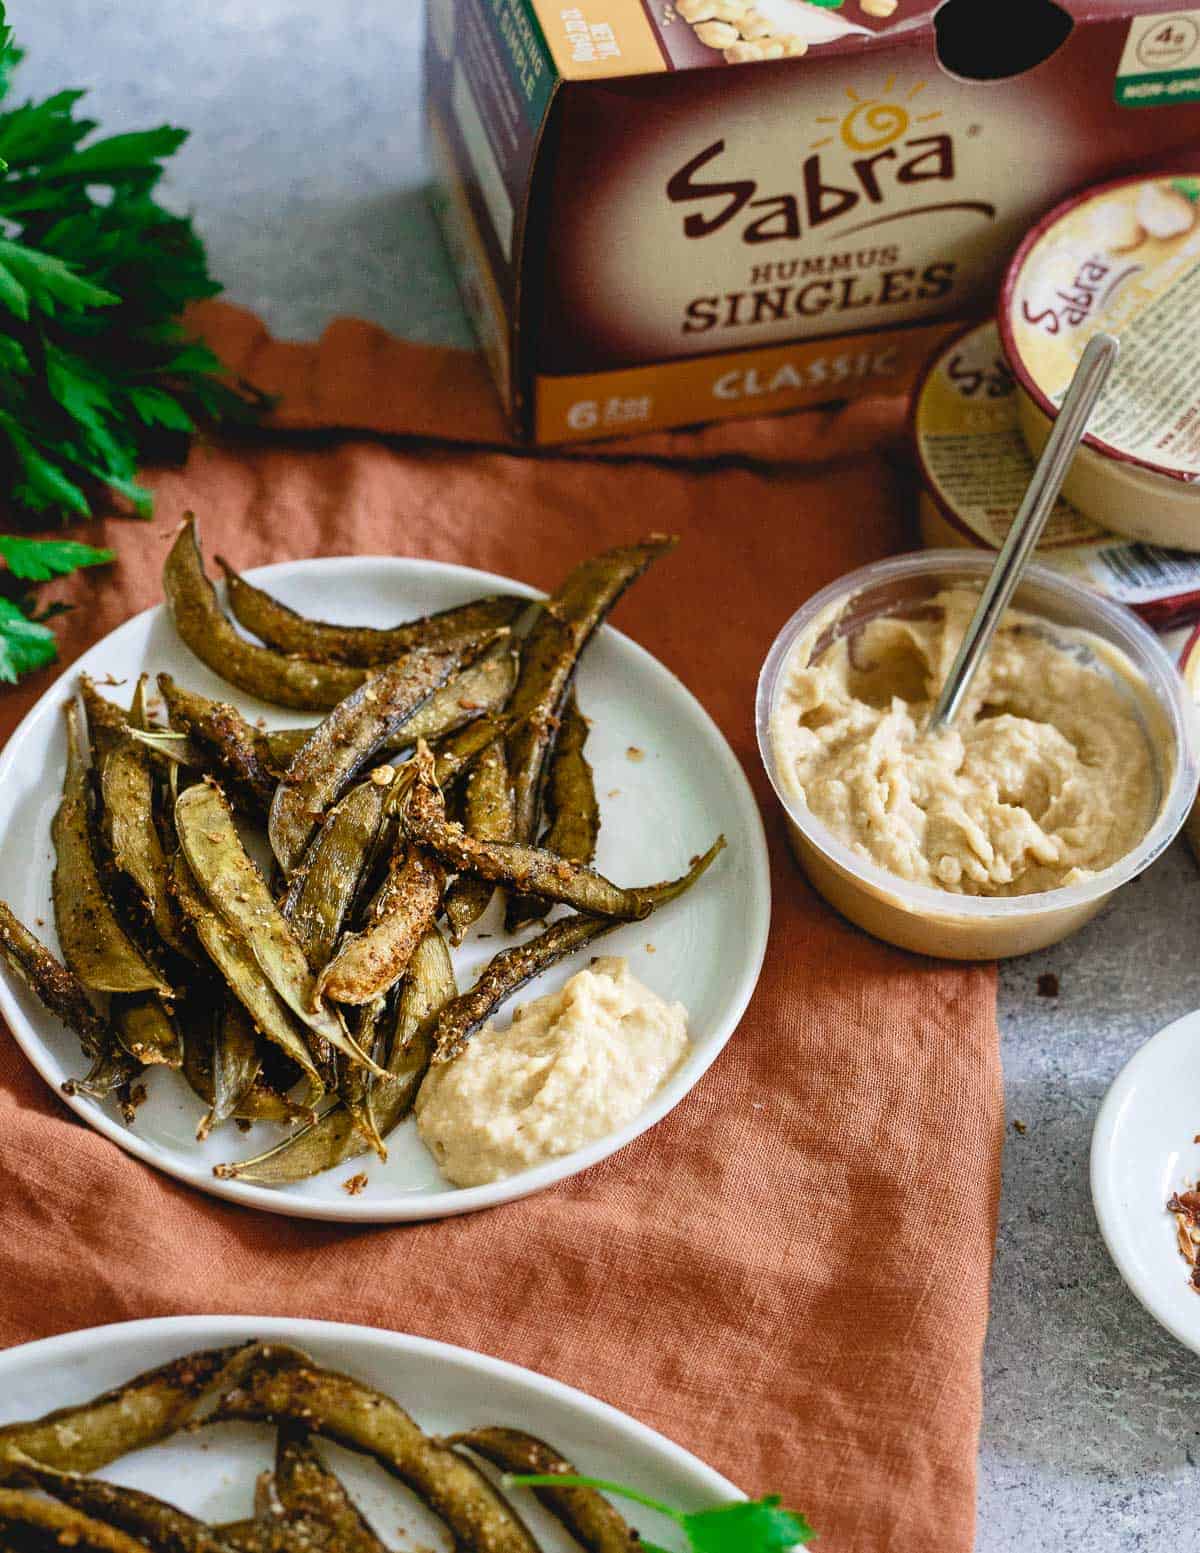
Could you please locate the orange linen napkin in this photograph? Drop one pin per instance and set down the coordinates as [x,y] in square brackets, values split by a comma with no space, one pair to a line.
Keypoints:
[789,1275]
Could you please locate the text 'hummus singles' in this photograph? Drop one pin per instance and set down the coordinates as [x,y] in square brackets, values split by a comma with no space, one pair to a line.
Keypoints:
[672,211]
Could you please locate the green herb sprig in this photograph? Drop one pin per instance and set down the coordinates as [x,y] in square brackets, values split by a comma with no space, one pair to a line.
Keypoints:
[26,641]
[96,373]
[746,1526]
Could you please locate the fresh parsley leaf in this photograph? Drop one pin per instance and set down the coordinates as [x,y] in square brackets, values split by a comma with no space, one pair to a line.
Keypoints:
[746,1526]
[1188,187]
[37,560]
[24,644]
[96,372]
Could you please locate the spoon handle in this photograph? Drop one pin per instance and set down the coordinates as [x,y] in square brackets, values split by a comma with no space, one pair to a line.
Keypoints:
[1084,390]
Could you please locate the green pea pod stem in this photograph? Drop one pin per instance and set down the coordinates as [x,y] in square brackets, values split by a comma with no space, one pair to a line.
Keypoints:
[234,887]
[202,625]
[58,988]
[333,1139]
[595,1524]
[95,946]
[508,972]
[360,646]
[339,1408]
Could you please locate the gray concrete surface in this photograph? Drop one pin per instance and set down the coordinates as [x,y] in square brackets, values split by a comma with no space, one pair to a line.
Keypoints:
[306,172]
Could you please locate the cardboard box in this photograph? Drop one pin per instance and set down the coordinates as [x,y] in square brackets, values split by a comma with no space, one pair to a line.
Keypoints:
[660,220]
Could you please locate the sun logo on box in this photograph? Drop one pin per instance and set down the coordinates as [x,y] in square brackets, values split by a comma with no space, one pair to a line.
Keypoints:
[873,124]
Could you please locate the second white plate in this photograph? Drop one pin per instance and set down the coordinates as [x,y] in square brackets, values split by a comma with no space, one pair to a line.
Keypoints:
[1142,1152]
[660,806]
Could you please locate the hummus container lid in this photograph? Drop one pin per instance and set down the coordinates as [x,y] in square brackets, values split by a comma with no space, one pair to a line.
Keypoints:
[922,917]
[1123,257]
[975,467]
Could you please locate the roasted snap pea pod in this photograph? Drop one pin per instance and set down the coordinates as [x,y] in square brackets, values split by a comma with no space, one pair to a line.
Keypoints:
[548,658]
[594,1523]
[428,986]
[127,793]
[157,1525]
[29,1524]
[346,741]
[246,980]
[529,870]
[283,743]
[508,971]
[365,1420]
[289,1534]
[106,722]
[571,807]
[95,945]
[360,646]
[230,880]
[306,1487]
[221,1058]
[58,988]
[406,907]
[323,891]
[488,815]
[112,1071]
[146,1030]
[354,1084]
[240,753]
[284,681]
[146,1409]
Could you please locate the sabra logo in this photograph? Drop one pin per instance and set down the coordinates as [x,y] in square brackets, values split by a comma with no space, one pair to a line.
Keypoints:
[1074,304]
[891,152]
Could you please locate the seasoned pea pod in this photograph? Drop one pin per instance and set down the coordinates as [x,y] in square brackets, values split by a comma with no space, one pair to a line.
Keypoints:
[322,892]
[127,793]
[508,971]
[427,988]
[530,870]
[548,658]
[346,741]
[406,907]
[571,807]
[146,1409]
[290,1534]
[354,1084]
[32,1525]
[594,1523]
[488,812]
[146,1030]
[360,646]
[112,1071]
[365,1420]
[240,753]
[306,1487]
[106,722]
[229,953]
[94,944]
[58,988]
[155,1523]
[229,878]
[192,600]
[221,1057]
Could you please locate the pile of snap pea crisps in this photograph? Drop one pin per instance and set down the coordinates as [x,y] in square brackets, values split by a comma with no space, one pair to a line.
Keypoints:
[49,1500]
[316,992]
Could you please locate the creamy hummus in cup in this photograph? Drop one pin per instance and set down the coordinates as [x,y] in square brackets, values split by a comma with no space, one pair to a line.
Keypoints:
[1070,767]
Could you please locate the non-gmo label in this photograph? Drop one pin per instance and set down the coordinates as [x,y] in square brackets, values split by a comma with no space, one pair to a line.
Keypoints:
[1161,62]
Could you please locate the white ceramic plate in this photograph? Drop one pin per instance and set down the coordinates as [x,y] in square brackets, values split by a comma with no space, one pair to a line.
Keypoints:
[1142,1151]
[211,1473]
[658,811]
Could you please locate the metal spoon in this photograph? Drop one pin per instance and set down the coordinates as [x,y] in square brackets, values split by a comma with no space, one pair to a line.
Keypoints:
[1084,390]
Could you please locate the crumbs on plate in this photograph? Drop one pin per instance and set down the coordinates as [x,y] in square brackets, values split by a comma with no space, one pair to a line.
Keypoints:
[1186,1208]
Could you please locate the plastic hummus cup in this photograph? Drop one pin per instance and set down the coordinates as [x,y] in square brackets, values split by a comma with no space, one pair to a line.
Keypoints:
[975,467]
[923,917]
[1123,257]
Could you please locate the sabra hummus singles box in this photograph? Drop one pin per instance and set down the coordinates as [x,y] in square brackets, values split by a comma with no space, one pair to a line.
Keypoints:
[673,211]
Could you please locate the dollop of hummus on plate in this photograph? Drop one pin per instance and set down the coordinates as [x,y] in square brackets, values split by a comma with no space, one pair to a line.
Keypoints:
[574,1065]
[1046,776]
